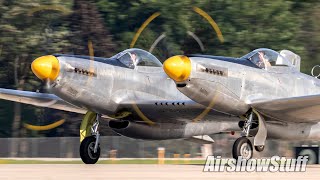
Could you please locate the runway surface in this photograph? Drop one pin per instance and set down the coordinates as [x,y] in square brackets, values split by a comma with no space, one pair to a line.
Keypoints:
[141,172]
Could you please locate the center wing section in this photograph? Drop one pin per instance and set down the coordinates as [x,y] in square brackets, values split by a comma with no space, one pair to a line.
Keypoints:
[39,99]
[294,109]
[173,111]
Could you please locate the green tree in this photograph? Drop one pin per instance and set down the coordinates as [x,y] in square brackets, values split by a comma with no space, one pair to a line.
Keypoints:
[28,29]
[126,17]
[247,25]
[309,33]
[86,25]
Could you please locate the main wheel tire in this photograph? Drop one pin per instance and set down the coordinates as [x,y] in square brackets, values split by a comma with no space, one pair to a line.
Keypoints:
[259,148]
[242,147]
[87,150]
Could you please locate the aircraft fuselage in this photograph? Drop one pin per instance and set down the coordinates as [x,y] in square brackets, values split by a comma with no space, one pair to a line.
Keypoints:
[226,84]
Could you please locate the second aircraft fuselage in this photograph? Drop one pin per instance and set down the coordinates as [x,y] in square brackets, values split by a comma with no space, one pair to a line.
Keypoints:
[228,84]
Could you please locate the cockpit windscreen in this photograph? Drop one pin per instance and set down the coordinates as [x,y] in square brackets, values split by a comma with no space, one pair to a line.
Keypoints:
[137,57]
[265,58]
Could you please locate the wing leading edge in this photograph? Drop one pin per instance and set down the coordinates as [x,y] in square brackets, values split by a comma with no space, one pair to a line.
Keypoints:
[39,99]
[294,109]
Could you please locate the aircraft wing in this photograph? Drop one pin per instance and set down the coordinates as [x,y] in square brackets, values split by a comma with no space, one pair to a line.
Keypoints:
[294,109]
[39,99]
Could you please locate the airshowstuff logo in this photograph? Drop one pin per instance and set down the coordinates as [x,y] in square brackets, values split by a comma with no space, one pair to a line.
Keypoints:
[273,164]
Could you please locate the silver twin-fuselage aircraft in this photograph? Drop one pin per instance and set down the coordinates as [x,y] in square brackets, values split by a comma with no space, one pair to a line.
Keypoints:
[262,95]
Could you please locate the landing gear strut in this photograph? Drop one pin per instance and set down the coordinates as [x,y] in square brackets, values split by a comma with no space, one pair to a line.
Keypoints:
[89,147]
[242,146]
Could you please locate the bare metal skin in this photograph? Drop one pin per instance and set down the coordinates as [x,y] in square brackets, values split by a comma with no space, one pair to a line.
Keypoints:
[219,95]
[145,92]
[286,98]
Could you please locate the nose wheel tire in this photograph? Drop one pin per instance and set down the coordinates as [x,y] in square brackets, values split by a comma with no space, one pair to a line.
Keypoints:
[242,147]
[87,153]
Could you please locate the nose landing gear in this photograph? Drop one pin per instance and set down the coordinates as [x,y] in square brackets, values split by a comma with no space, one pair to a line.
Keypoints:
[90,138]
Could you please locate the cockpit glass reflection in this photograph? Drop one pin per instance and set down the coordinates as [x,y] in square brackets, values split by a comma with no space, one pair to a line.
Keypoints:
[137,57]
[265,58]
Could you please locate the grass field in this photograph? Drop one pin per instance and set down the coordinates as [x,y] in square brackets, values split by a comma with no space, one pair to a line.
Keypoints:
[117,161]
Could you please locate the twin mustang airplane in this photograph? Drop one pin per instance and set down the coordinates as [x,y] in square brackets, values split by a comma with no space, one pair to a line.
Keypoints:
[263,94]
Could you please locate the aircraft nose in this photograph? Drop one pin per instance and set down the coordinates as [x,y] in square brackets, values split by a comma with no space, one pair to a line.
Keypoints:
[178,68]
[46,67]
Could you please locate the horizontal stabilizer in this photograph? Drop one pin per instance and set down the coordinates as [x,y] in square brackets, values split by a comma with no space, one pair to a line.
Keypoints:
[202,139]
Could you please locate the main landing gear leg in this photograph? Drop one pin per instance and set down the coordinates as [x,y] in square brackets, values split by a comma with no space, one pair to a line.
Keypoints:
[242,146]
[90,138]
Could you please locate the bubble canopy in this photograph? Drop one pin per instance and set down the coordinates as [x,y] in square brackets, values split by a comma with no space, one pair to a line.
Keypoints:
[137,57]
[265,58]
